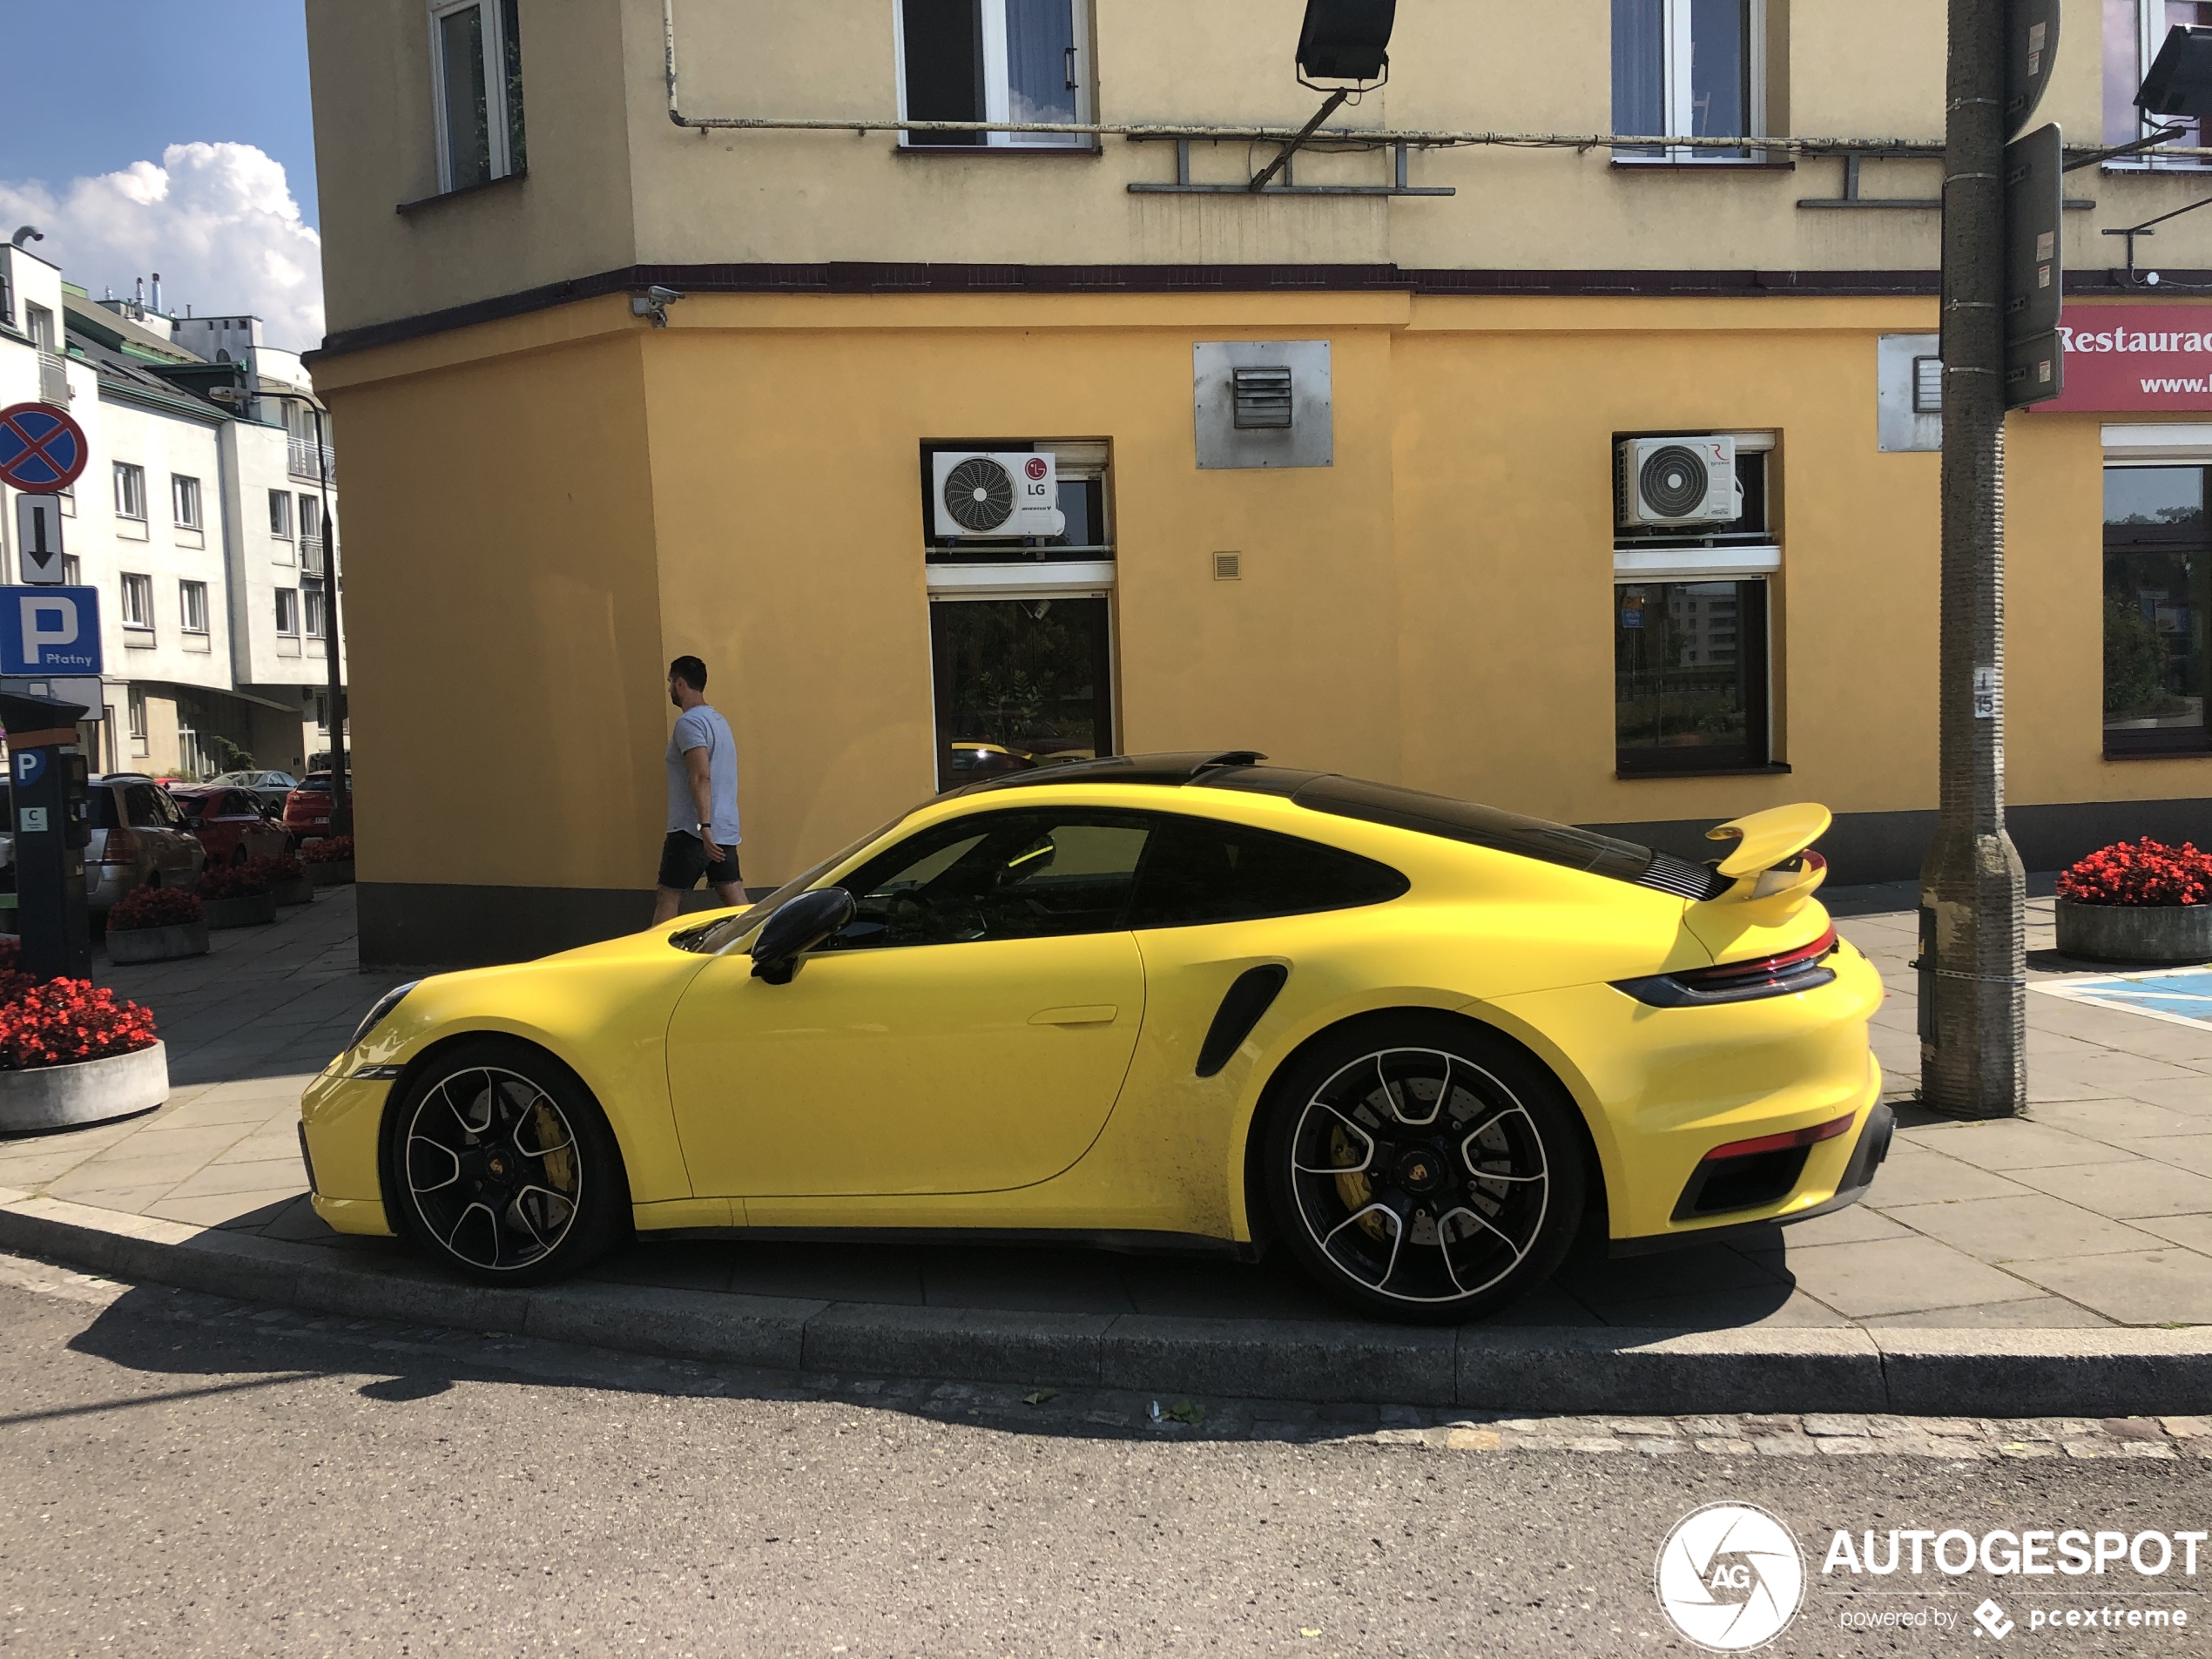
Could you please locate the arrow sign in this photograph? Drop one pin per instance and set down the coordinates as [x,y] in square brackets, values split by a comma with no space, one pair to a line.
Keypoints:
[38,539]
[41,448]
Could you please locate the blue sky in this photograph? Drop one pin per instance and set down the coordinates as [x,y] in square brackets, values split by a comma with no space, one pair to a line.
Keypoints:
[123,79]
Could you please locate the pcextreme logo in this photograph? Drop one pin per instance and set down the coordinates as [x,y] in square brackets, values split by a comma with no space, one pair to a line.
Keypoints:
[1729,1577]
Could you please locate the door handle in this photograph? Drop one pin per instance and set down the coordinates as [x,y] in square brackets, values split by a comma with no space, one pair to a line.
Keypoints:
[1096,1014]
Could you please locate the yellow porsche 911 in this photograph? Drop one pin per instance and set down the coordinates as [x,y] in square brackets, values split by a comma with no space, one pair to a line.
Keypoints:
[1155,1001]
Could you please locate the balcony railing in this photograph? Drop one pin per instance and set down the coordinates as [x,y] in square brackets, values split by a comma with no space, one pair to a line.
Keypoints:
[53,378]
[303,459]
[310,555]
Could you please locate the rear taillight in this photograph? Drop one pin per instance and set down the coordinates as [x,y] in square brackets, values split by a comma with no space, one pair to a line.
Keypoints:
[1788,1140]
[122,847]
[1792,971]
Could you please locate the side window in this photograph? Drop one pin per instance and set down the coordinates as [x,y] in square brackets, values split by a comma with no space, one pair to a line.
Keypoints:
[141,804]
[1201,871]
[999,875]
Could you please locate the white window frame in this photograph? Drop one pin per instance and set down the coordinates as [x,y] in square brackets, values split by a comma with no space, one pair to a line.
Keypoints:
[1674,82]
[183,492]
[283,533]
[312,611]
[72,571]
[142,588]
[132,475]
[283,594]
[497,114]
[998,90]
[2150,35]
[190,596]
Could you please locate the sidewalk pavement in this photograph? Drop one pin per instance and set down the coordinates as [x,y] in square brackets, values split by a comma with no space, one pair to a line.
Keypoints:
[2094,1210]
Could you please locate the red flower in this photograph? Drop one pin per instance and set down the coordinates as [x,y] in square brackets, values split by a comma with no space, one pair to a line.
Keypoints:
[334,849]
[68,1020]
[234,880]
[2146,872]
[154,908]
[272,871]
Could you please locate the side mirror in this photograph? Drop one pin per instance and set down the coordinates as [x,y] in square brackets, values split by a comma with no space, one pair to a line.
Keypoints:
[796,928]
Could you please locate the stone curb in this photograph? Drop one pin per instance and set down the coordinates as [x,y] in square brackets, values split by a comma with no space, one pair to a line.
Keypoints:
[2121,1371]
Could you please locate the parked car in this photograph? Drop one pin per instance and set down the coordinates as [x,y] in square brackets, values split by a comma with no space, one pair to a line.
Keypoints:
[231,824]
[269,788]
[139,840]
[307,809]
[1410,1039]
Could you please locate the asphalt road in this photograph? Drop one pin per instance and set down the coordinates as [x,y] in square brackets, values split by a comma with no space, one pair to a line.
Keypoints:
[183,1476]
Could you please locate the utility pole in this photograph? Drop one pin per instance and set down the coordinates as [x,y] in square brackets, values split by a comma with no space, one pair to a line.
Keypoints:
[1973,968]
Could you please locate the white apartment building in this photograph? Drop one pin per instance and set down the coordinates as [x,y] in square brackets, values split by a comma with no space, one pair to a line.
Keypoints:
[201,519]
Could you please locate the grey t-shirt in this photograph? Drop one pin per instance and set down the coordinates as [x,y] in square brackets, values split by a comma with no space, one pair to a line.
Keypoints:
[702,728]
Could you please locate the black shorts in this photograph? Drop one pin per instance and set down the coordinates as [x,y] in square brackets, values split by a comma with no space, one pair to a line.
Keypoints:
[683,861]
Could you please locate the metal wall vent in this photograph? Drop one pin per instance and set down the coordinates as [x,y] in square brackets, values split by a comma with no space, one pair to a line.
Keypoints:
[1228,567]
[1263,398]
[1927,386]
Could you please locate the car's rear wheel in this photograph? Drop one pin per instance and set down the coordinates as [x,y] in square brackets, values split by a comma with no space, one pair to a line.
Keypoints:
[1424,1169]
[499,1163]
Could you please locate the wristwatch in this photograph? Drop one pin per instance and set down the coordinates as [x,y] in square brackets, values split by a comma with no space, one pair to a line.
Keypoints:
[705,829]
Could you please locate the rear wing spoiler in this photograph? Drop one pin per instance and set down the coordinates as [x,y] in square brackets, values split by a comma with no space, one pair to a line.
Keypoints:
[1772,867]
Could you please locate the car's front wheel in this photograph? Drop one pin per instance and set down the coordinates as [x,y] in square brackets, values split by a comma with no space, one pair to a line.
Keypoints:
[498,1163]
[1422,1169]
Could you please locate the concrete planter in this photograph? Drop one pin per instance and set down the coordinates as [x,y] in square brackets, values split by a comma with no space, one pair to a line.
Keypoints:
[331,875]
[240,913]
[157,944]
[299,892]
[2149,933]
[90,1091]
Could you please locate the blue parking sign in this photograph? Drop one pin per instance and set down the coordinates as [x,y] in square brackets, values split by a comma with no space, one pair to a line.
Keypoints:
[50,630]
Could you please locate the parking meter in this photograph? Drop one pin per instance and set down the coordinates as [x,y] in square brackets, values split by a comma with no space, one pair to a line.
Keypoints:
[52,828]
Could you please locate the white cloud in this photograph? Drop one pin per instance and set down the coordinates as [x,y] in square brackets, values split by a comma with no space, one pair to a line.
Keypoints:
[217,221]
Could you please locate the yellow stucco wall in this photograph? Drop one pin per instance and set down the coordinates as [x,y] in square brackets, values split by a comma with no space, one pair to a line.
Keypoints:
[502,601]
[1433,609]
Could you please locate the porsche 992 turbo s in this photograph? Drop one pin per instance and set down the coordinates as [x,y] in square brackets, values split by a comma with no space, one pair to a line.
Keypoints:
[1166,999]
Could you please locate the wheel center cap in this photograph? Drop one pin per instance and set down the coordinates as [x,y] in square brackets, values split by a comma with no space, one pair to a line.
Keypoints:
[497,1166]
[1420,1169]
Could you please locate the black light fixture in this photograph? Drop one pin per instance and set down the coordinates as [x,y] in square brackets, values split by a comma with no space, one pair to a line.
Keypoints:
[2180,82]
[1349,40]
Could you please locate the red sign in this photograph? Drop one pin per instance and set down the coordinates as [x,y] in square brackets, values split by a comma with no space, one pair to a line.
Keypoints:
[2124,359]
[1035,468]
[42,450]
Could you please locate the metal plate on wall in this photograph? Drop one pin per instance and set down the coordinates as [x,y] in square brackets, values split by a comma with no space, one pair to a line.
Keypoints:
[1897,424]
[1309,441]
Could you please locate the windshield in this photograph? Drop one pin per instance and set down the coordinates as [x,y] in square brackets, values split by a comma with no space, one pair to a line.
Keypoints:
[713,938]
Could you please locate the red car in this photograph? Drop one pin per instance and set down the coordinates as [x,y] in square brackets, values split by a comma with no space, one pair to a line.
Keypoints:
[307,809]
[230,824]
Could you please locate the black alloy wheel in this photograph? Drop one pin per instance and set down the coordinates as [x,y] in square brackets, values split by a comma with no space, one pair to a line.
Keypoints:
[1424,1169]
[498,1163]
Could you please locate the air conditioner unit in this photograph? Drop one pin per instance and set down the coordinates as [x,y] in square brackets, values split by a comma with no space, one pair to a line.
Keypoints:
[1676,480]
[994,494]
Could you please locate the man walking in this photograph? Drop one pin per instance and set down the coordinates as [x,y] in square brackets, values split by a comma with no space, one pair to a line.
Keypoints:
[702,798]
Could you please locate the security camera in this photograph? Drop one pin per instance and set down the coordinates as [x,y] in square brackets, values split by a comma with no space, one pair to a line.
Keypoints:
[654,303]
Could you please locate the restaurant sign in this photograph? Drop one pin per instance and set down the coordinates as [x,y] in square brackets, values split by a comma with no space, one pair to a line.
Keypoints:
[2122,359]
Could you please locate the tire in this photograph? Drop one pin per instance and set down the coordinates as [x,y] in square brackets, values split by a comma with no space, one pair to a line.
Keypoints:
[1422,1169]
[499,1164]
